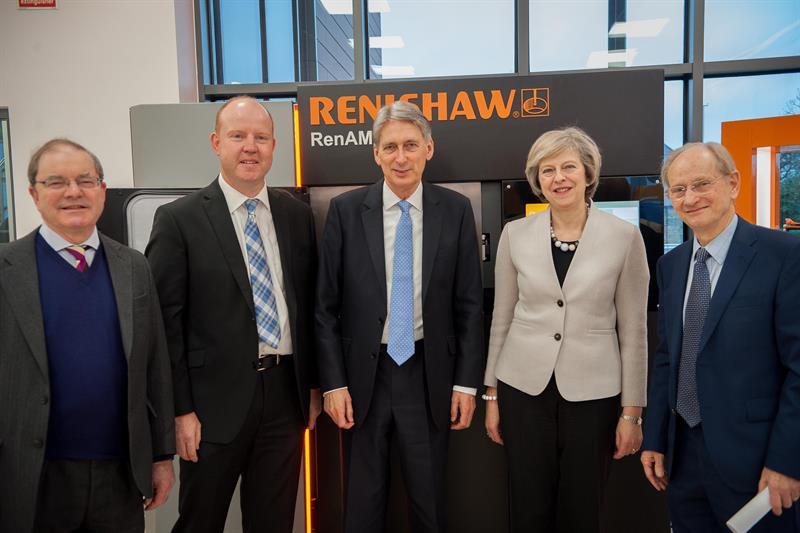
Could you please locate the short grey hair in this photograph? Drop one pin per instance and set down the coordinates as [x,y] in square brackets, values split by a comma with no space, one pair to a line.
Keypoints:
[400,110]
[722,158]
[553,143]
[51,146]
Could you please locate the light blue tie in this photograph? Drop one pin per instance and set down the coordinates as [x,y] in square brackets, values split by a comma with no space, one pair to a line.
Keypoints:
[696,309]
[269,329]
[401,308]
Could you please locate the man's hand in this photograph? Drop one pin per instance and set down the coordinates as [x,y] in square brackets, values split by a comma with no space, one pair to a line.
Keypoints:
[462,407]
[492,419]
[653,464]
[339,407]
[314,408]
[783,490]
[163,480]
[187,436]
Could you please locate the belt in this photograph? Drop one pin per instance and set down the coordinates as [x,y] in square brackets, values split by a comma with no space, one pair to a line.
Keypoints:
[268,361]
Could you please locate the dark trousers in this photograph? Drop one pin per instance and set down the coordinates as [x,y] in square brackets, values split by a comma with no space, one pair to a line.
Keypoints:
[399,409]
[700,501]
[88,496]
[266,454]
[559,454]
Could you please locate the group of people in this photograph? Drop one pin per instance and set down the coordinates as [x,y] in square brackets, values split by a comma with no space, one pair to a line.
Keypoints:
[226,339]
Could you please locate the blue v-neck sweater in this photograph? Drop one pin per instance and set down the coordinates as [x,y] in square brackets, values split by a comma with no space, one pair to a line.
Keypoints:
[88,370]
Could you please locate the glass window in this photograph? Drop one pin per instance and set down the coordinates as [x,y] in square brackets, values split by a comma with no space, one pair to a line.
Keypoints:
[440,38]
[740,98]
[333,42]
[241,41]
[5,179]
[789,168]
[738,29]
[673,115]
[581,34]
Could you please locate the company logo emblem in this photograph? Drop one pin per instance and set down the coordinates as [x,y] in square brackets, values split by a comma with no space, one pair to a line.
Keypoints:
[535,102]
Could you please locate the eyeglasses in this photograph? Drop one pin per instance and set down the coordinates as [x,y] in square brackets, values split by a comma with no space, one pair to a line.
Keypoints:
[699,187]
[59,184]
[567,170]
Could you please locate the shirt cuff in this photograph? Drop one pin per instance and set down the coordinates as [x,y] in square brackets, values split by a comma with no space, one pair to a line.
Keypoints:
[472,391]
[332,390]
[159,458]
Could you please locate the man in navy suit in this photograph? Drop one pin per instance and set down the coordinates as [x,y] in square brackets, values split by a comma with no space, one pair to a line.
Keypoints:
[723,416]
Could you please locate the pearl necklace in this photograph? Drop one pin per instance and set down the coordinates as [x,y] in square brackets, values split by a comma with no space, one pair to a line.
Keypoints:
[561,245]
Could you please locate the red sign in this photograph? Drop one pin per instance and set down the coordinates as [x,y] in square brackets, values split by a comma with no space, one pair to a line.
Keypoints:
[36,4]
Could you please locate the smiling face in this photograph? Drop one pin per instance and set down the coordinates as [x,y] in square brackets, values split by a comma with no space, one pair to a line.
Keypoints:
[707,213]
[72,212]
[244,143]
[402,152]
[562,178]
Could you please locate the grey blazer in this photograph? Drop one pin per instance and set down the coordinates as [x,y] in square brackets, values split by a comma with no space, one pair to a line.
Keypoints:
[25,387]
[592,332]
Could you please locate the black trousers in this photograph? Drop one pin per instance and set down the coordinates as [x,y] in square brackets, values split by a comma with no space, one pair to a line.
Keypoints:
[700,501]
[88,496]
[399,409]
[559,453]
[266,454]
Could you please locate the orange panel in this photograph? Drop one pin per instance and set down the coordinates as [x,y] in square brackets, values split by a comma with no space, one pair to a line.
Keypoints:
[741,138]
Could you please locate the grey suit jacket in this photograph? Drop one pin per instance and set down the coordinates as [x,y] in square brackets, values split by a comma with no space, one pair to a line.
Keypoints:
[601,320]
[25,387]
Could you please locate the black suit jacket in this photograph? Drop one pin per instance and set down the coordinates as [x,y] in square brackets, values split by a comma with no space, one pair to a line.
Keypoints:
[25,381]
[207,304]
[352,300]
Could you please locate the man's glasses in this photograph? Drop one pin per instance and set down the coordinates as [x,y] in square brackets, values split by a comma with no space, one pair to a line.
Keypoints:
[698,187]
[59,184]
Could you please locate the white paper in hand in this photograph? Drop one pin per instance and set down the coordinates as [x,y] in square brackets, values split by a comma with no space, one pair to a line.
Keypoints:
[749,515]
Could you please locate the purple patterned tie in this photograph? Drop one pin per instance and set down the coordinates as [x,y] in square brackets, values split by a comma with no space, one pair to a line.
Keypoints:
[79,253]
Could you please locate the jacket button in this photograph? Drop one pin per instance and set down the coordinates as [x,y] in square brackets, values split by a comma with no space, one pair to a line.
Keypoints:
[45,400]
[38,443]
[674,412]
[373,355]
[380,320]
[560,303]
[557,336]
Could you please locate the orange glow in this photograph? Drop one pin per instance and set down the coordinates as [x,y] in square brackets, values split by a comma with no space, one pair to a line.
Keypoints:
[298,174]
[307,458]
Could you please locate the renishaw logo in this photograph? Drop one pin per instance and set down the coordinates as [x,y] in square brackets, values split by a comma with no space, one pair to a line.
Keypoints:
[438,106]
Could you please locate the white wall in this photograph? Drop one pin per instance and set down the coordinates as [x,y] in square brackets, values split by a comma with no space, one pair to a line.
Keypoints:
[76,71]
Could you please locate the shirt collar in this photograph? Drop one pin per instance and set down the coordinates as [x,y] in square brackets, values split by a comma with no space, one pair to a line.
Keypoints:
[390,199]
[718,247]
[58,243]
[235,199]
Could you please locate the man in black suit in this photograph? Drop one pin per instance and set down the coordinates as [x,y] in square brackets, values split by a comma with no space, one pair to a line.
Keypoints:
[399,324]
[86,432]
[235,267]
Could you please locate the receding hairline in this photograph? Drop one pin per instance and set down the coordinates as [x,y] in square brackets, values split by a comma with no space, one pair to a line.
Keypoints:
[236,100]
[56,145]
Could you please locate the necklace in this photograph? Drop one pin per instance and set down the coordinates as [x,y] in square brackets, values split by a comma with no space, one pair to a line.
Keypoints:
[562,245]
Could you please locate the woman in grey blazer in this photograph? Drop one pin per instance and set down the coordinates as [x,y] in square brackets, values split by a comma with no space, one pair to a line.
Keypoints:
[568,342]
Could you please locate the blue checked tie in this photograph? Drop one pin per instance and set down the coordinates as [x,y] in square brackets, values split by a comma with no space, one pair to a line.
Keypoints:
[695,317]
[269,329]
[401,308]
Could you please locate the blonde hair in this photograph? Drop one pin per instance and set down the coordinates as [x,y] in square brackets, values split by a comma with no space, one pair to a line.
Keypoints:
[556,141]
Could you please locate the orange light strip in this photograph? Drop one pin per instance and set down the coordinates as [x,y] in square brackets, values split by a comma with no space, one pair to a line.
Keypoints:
[298,174]
[307,468]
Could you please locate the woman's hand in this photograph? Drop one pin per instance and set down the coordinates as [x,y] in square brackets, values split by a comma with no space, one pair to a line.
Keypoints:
[629,434]
[493,417]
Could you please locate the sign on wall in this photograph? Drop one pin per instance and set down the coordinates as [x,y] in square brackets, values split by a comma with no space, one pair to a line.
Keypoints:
[36,4]
[484,127]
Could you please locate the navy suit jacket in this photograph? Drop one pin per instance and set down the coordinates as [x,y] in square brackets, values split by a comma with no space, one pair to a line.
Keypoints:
[352,300]
[748,364]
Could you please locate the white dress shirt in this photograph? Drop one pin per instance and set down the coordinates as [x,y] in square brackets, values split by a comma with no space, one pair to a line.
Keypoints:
[717,250]
[266,228]
[60,244]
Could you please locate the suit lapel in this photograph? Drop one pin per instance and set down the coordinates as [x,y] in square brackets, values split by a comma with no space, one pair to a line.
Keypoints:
[220,218]
[121,271]
[283,233]
[431,229]
[372,220]
[19,278]
[740,254]
[675,296]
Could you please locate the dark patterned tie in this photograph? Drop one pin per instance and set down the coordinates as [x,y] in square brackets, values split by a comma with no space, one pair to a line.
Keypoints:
[695,318]
[79,253]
